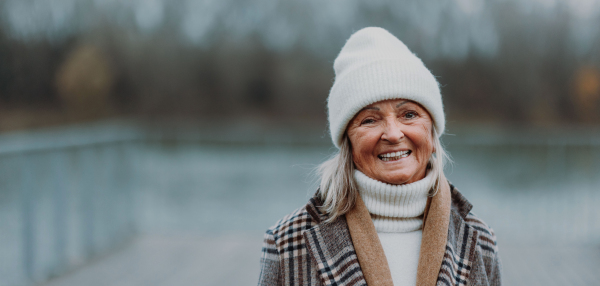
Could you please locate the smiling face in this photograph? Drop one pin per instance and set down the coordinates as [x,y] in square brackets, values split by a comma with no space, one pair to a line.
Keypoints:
[392,141]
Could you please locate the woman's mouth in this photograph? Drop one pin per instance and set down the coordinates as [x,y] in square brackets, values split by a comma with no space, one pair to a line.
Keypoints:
[393,156]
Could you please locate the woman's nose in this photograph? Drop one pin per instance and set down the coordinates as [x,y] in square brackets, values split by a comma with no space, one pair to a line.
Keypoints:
[392,132]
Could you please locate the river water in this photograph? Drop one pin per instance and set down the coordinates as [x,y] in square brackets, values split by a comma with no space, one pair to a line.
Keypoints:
[528,194]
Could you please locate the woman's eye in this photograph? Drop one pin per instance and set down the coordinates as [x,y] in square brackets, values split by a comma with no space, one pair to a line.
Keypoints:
[367,121]
[410,115]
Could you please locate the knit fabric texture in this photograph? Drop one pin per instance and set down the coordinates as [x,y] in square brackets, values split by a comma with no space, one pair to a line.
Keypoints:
[397,213]
[374,66]
[394,208]
[402,253]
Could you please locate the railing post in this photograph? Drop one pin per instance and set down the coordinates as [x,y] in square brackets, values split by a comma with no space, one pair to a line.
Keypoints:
[132,184]
[28,215]
[87,197]
[60,208]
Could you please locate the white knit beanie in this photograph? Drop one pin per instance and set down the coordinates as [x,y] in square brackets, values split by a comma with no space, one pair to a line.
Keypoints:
[373,66]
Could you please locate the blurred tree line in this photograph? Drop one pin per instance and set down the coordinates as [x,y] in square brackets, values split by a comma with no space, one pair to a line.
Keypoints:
[497,61]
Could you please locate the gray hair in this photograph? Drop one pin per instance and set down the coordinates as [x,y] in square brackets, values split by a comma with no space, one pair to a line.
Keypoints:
[339,191]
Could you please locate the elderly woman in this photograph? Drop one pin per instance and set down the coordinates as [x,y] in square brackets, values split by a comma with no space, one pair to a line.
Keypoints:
[384,213]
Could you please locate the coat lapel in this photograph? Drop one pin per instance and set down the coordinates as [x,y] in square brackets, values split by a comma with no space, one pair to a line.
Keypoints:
[330,246]
[460,247]
[435,232]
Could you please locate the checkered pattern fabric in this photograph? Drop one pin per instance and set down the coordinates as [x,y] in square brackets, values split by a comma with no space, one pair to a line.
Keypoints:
[460,249]
[471,256]
[301,249]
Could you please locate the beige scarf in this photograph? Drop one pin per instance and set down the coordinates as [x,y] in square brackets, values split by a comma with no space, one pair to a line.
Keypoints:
[370,253]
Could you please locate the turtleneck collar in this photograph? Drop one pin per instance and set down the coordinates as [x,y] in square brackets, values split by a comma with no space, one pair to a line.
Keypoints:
[394,208]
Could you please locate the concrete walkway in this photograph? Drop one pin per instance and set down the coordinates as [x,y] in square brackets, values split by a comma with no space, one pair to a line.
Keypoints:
[173,261]
[234,260]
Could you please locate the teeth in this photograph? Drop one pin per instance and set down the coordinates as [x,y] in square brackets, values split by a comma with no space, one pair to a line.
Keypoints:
[394,155]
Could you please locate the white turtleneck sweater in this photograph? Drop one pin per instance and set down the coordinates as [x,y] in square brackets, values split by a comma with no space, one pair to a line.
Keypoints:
[397,213]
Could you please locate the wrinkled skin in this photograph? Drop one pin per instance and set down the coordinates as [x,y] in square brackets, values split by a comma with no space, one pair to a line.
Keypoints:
[390,126]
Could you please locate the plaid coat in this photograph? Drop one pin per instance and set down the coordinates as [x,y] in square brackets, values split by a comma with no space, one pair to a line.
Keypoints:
[301,249]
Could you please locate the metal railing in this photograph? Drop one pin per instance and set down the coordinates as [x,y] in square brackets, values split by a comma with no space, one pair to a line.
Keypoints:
[66,196]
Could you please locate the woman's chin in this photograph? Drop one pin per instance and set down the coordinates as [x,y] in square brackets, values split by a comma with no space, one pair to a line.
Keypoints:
[394,179]
[398,176]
